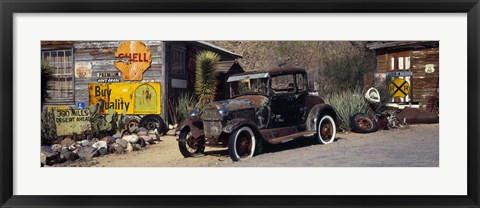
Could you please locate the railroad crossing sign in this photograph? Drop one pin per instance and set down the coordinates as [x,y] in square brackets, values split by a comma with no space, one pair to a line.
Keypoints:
[399,88]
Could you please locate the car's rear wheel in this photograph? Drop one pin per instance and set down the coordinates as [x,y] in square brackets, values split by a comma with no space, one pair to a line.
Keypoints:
[241,144]
[190,146]
[326,130]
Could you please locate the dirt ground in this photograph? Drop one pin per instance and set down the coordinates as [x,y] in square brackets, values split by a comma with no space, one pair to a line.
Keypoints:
[417,146]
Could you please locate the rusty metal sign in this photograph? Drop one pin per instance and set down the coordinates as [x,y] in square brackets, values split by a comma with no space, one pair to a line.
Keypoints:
[399,87]
[136,59]
[429,68]
[70,122]
[83,69]
[134,97]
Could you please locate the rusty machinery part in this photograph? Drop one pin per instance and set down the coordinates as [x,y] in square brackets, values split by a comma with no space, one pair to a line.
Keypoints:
[363,123]
[326,130]
[190,146]
[152,121]
[241,144]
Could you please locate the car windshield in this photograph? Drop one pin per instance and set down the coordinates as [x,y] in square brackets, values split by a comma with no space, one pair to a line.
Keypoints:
[248,86]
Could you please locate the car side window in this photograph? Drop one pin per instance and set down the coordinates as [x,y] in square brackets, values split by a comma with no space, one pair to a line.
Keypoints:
[300,82]
[283,84]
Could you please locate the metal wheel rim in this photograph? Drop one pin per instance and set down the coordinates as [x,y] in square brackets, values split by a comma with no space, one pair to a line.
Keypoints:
[326,130]
[244,144]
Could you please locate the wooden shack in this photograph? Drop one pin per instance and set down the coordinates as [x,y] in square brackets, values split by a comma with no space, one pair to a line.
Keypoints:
[78,65]
[409,70]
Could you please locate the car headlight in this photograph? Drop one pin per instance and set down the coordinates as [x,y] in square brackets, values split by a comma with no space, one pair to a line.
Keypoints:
[223,111]
[193,114]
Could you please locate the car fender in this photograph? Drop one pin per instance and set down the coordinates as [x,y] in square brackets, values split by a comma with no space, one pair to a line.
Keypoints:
[196,127]
[236,123]
[316,111]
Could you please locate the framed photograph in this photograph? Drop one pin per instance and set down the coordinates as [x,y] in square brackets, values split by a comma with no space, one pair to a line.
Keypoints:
[239,104]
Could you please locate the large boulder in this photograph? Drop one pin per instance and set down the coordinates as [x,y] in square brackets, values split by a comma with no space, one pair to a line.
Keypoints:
[131,138]
[122,142]
[67,142]
[117,148]
[87,153]
[147,139]
[100,144]
[69,156]
[57,148]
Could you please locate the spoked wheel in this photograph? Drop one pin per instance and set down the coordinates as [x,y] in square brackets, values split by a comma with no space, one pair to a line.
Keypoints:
[326,130]
[241,144]
[190,146]
[363,123]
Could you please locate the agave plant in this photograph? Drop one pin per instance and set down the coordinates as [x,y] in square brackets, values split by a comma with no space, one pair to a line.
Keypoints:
[205,76]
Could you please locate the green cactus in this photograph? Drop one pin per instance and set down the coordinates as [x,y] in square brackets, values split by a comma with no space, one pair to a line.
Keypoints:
[106,123]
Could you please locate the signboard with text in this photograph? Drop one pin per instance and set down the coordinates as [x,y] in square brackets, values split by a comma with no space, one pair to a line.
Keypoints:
[135,98]
[70,122]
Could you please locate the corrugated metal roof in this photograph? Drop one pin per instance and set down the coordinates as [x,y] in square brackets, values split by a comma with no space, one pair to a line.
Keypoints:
[218,48]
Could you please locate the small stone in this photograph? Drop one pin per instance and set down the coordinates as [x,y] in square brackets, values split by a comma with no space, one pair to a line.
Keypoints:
[85,142]
[117,148]
[103,151]
[147,139]
[117,136]
[170,126]
[67,142]
[175,126]
[131,138]
[72,147]
[142,129]
[141,142]
[57,148]
[108,139]
[43,159]
[136,147]
[93,141]
[142,133]
[69,156]
[87,153]
[129,147]
[100,144]
[122,142]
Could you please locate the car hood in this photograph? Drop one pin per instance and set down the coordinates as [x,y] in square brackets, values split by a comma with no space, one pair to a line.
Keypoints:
[239,103]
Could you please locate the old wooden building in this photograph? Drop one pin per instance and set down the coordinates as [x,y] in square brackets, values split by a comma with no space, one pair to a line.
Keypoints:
[85,71]
[409,70]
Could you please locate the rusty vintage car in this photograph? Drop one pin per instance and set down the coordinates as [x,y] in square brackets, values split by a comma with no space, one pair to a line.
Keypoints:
[273,106]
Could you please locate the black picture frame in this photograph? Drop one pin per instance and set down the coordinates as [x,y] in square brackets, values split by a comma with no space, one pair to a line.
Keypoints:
[10,7]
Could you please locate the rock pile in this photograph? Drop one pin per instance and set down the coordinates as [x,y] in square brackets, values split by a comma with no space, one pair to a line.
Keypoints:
[69,150]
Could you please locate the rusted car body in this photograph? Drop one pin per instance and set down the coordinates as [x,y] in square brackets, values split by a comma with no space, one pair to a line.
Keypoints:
[273,106]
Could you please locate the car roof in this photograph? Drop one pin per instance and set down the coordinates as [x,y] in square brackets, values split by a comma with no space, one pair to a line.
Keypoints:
[265,74]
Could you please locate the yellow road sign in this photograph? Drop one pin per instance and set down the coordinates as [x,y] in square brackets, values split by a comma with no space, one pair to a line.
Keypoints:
[399,87]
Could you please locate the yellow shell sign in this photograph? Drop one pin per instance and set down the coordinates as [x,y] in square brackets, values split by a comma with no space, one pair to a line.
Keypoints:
[136,59]
[399,88]
[135,98]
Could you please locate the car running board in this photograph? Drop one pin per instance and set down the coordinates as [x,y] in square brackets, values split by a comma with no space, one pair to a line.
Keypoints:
[291,137]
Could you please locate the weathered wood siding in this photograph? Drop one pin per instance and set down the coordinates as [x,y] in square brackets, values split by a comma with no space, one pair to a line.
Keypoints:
[101,55]
[423,84]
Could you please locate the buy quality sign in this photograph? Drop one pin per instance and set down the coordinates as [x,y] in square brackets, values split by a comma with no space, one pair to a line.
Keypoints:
[134,98]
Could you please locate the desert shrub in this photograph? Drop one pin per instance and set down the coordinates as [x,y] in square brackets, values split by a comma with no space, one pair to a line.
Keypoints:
[347,103]
[180,106]
[186,103]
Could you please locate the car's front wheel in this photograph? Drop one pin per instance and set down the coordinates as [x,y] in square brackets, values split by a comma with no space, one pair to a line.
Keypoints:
[241,143]
[326,130]
[190,146]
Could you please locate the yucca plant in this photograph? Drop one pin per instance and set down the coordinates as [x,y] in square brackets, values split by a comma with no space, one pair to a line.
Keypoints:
[205,76]
[347,103]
